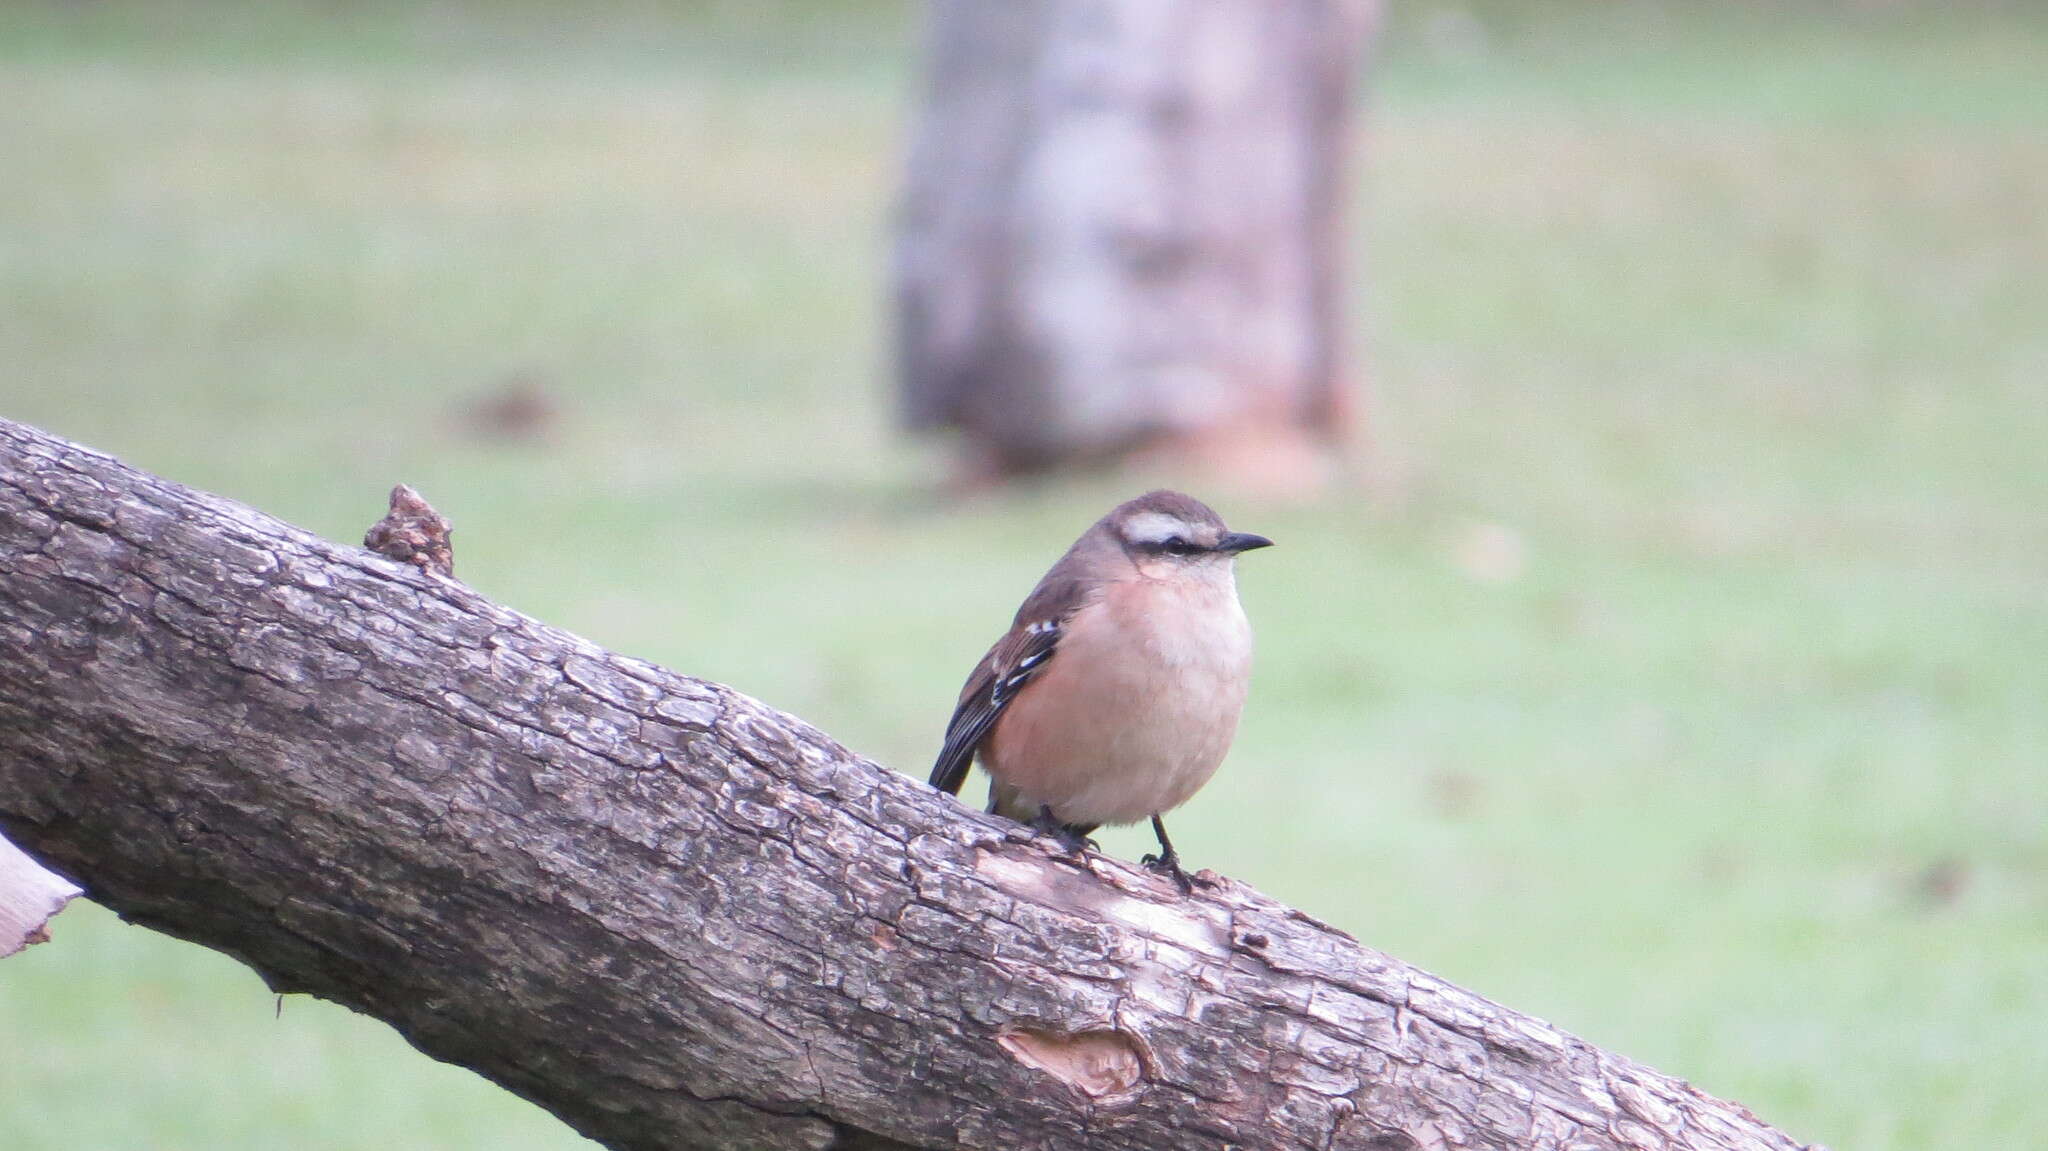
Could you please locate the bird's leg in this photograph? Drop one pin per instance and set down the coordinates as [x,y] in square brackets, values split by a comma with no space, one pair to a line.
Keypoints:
[1045,824]
[1168,861]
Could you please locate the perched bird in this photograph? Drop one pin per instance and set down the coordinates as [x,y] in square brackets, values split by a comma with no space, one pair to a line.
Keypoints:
[1117,689]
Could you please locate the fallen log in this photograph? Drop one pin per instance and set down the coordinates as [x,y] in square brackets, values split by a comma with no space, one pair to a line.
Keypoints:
[666,912]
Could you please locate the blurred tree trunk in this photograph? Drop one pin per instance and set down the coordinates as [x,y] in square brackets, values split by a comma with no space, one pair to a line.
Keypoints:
[1123,225]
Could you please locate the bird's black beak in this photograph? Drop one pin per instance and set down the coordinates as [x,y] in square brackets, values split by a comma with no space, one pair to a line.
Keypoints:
[1234,542]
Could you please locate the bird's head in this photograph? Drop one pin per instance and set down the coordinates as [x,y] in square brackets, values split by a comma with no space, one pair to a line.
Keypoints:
[1165,532]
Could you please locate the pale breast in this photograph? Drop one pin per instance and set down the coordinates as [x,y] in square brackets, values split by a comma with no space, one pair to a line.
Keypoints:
[1137,707]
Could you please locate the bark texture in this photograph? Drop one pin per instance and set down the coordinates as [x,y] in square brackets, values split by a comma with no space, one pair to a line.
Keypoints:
[667,913]
[1122,221]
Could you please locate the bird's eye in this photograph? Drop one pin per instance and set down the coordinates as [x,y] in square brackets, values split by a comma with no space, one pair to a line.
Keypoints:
[1176,546]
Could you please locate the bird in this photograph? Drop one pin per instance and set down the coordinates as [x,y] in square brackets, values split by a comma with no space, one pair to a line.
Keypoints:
[1116,692]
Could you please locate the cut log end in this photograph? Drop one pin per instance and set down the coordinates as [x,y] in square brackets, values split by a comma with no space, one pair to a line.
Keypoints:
[29,898]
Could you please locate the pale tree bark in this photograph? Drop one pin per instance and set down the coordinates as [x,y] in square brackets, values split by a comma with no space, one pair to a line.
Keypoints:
[1122,225]
[668,913]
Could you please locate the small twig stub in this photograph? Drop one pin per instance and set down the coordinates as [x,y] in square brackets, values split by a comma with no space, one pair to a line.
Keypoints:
[413,533]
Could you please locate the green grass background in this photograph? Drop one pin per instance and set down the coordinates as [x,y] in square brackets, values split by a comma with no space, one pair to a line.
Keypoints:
[1734,316]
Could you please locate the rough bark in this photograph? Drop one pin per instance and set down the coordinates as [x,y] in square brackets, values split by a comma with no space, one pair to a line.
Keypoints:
[668,913]
[1122,221]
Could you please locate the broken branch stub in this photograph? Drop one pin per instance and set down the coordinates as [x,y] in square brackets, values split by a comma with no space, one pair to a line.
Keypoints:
[412,532]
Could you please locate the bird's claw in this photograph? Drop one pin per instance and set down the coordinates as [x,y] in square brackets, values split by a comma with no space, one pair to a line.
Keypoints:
[1075,843]
[1070,841]
[1170,865]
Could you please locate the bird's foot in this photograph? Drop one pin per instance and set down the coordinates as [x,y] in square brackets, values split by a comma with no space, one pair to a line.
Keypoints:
[1169,864]
[1070,841]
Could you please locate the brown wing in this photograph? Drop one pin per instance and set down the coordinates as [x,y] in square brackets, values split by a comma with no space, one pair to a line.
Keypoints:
[1008,666]
[1022,653]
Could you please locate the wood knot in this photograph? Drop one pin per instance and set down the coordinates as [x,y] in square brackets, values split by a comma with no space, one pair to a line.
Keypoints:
[1097,1063]
[413,533]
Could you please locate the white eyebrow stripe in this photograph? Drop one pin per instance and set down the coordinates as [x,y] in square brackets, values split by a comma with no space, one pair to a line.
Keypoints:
[1155,527]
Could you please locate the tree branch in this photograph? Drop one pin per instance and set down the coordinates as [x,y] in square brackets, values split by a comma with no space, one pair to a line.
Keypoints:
[668,913]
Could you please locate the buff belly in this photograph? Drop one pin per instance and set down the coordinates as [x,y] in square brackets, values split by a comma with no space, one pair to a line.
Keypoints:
[1135,711]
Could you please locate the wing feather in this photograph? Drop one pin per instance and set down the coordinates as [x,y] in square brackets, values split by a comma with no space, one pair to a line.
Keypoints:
[1022,653]
[1008,666]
